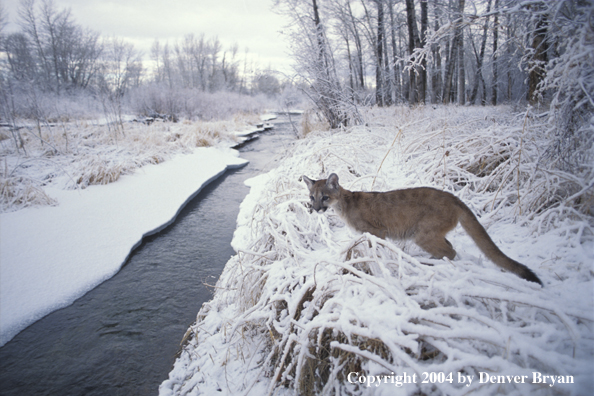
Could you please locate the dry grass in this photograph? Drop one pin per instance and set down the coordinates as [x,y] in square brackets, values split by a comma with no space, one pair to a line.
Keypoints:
[312,121]
[78,154]
[21,193]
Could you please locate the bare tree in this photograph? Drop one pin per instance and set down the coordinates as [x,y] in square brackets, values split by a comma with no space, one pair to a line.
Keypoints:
[436,84]
[423,43]
[121,68]
[315,62]
[461,68]
[495,38]
[157,59]
[453,52]
[3,21]
[538,55]
[30,27]
[379,75]
[358,45]
[414,41]
[168,71]
[3,24]
[19,57]
[51,22]
[396,66]
[64,54]
[215,48]
[480,57]
[569,79]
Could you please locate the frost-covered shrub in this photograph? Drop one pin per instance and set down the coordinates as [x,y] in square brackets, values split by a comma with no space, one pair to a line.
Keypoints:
[28,102]
[193,103]
[569,156]
[570,77]
[223,105]
[19,192]
[155,99]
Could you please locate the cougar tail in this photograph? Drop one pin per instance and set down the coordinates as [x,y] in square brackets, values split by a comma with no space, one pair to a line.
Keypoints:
[479,235]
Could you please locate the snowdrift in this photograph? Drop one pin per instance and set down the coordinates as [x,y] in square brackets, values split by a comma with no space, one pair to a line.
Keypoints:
[308,306]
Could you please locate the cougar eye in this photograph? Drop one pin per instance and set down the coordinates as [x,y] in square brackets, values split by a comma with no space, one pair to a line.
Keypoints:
[325,198]
[311,197]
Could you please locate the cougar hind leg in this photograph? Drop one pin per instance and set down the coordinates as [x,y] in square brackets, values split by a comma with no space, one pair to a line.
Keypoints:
[436,245]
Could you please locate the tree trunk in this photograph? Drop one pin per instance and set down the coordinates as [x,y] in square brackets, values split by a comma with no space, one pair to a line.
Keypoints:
[424,22]
[461,70]
[357,38]
[318,24]
[479,62]
[437,79]
[379,89]
[387,72]
[351,70]
[509,55]
[413,42]
[495,37]
[396,85]
[326,83]
[536,64]
[451,62]
[29,20]
[51,19]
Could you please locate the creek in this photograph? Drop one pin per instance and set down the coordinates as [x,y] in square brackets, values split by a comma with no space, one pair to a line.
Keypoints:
[121,338]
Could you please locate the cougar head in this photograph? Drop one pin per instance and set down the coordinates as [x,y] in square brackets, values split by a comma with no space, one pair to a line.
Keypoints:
[322,193]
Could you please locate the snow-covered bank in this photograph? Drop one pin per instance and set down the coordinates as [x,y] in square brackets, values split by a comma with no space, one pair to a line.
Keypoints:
[52,255]
[77,154]
[309,306]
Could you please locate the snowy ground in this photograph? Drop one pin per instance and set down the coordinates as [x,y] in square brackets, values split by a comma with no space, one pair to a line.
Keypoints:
[309,306]
[51,255]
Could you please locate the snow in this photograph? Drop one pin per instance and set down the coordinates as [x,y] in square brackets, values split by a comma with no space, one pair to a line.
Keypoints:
[52,255]
[306,300]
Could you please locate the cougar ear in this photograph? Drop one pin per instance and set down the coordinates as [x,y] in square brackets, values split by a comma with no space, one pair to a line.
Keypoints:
[332,181]
[308,181]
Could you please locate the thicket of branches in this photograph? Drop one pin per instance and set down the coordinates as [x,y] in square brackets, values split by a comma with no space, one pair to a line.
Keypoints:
[384,52]
[402,51]
[51,58]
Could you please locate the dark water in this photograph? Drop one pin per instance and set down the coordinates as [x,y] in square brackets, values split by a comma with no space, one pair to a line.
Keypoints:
[121,338]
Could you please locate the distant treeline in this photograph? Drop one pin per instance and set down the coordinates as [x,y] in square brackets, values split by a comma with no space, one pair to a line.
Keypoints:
[52,55]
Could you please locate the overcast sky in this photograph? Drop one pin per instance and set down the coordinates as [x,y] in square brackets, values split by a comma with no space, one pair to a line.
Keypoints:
[249,23]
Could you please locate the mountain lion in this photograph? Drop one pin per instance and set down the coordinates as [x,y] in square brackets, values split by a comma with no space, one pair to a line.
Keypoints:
[422,214]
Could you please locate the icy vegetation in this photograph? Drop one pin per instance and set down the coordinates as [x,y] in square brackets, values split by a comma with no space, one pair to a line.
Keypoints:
[73,155]
[308,306]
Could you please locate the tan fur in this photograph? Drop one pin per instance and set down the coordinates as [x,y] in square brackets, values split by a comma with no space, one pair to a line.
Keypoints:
[422,214]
